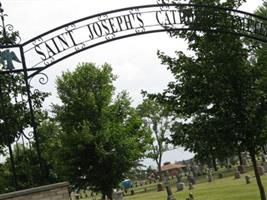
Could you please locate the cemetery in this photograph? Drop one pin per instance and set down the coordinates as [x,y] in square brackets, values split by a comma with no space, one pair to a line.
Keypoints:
[203,188]
[85,138]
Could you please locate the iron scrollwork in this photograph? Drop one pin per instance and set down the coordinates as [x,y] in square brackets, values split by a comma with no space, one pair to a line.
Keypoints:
[80,46]
[43,79]
[49,61]
[134,11]
[23,135]
[140,30]
[102,17]
[164,4]
[70,27]
[110,36]
[37,41]
[7,30]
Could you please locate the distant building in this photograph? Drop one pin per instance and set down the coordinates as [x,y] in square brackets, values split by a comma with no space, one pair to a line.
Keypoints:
[172,169]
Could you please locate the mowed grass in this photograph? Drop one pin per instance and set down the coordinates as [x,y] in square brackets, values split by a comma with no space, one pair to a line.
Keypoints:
[220,189]
[226,188]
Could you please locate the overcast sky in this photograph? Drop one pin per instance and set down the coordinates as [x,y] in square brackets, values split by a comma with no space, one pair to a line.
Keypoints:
[133,59]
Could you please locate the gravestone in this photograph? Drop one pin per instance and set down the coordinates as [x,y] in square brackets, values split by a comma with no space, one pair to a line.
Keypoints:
[118,195]
[210,176]
[241,169]
[93,195]
[191,197]
[192,179]
[247,177]
[180,186]
[159,187]
[178,178]
[237,174]
[245,162]
[263,158]
[168,188]
[76,196]
[141,183]
[261,170]
[86,194]
[220,175]
[191,187]
[265,166]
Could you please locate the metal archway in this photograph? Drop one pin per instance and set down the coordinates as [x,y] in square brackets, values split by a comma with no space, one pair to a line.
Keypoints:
[69,39]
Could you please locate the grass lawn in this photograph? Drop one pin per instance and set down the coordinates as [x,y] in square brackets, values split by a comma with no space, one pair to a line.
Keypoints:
[220,189]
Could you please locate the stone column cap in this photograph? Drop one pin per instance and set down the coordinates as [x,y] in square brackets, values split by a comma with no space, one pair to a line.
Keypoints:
[33,190]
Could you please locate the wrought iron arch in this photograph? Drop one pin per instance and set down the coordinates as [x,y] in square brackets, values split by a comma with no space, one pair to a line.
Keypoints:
[72,38]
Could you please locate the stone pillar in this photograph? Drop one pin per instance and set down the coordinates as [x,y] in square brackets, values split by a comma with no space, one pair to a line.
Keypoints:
[55,191]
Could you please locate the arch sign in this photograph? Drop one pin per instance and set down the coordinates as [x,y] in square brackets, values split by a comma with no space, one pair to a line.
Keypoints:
[74,37]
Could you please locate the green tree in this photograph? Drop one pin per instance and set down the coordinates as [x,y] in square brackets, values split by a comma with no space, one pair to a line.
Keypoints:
[201,137]
[27,163]
[15,115]
[223,81]
[158,120]
[49,132]
[6,184]
[101,139]
[27,167]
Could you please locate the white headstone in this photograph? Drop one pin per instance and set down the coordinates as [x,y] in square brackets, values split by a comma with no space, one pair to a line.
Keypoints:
[237,174]
[265,166]
[180,186]
[261,170]
[118,195]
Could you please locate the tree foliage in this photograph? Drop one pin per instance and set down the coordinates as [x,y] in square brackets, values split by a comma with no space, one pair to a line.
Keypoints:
[15,115]
[220,89]
[101,138]
[157,118]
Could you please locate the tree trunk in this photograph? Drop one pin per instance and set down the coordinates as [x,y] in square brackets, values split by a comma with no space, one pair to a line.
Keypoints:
[159,167]
[13,169]
[214,162]
[160,173]
[240,158]
[109,195]
[258,178]
[214,165]
[264,150]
